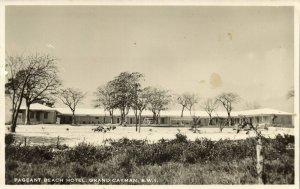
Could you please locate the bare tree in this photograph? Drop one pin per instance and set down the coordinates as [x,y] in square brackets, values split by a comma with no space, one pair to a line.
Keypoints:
[183,101]
[42,85]
[227,99]
[23,71]
[209,105]
[187,101]
[220,122]
[104,98]
[15,85]
[71,98]
[191,101]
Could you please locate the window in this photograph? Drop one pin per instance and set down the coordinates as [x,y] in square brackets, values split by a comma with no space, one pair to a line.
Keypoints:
[31,114]
[97,117]
[45,115]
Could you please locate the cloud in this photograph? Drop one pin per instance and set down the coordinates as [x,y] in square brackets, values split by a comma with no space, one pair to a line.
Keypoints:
[50,46]
[215,80]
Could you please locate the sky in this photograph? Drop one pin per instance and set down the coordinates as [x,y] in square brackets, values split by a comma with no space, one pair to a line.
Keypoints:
[198,49]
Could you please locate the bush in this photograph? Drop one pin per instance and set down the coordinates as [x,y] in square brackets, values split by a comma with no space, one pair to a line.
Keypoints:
[11,165]
[124,142]
[125,156]
[87,154]
[9,139]
[29,153]
[180,138]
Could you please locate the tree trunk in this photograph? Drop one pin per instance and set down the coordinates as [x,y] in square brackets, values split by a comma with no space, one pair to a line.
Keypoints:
[13,126]
[209,121]
[73,118]
[221,128]
[125,119]
[136,120]
[14,122]
[220,125]
[260,161]
[140,121]
[111,117]
[122,117]
[158,118]
[15,117]
[154,117]
[104,119]
[181,123]
[27,114]
[229,119]
[12,115]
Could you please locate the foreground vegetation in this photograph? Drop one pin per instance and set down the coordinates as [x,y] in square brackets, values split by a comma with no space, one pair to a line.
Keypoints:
[177,161]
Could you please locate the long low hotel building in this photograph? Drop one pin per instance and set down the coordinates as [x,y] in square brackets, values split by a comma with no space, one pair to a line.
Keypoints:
[40,114]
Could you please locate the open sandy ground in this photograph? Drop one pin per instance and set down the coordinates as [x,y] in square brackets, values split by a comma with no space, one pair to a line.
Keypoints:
[72,135]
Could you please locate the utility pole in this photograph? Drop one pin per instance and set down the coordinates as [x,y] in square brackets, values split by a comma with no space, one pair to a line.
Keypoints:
[136,107]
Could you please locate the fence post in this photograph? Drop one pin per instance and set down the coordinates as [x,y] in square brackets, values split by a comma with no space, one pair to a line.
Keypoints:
[260,161]
[25,141]
[57,144]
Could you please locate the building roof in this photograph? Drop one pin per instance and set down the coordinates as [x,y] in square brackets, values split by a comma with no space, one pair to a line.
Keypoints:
[82,111]
[37,106]
[167,113]
[262,111]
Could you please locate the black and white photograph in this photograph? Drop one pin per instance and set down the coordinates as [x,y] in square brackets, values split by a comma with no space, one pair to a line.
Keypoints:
[150,94]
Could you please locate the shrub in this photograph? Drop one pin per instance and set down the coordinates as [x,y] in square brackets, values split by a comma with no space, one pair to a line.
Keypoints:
[124,142]
[181,138]
[29,153]
[9,139]
[11,165]
[123,156]
[87,154]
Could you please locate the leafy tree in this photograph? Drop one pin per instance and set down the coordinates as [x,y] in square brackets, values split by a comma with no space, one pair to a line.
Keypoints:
[158,100]
[227,99]
[104,98]
[142,101]
[124,90]
[209,105]
[71,98]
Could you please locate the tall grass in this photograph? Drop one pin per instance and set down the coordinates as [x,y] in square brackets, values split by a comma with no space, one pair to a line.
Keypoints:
[177,161]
